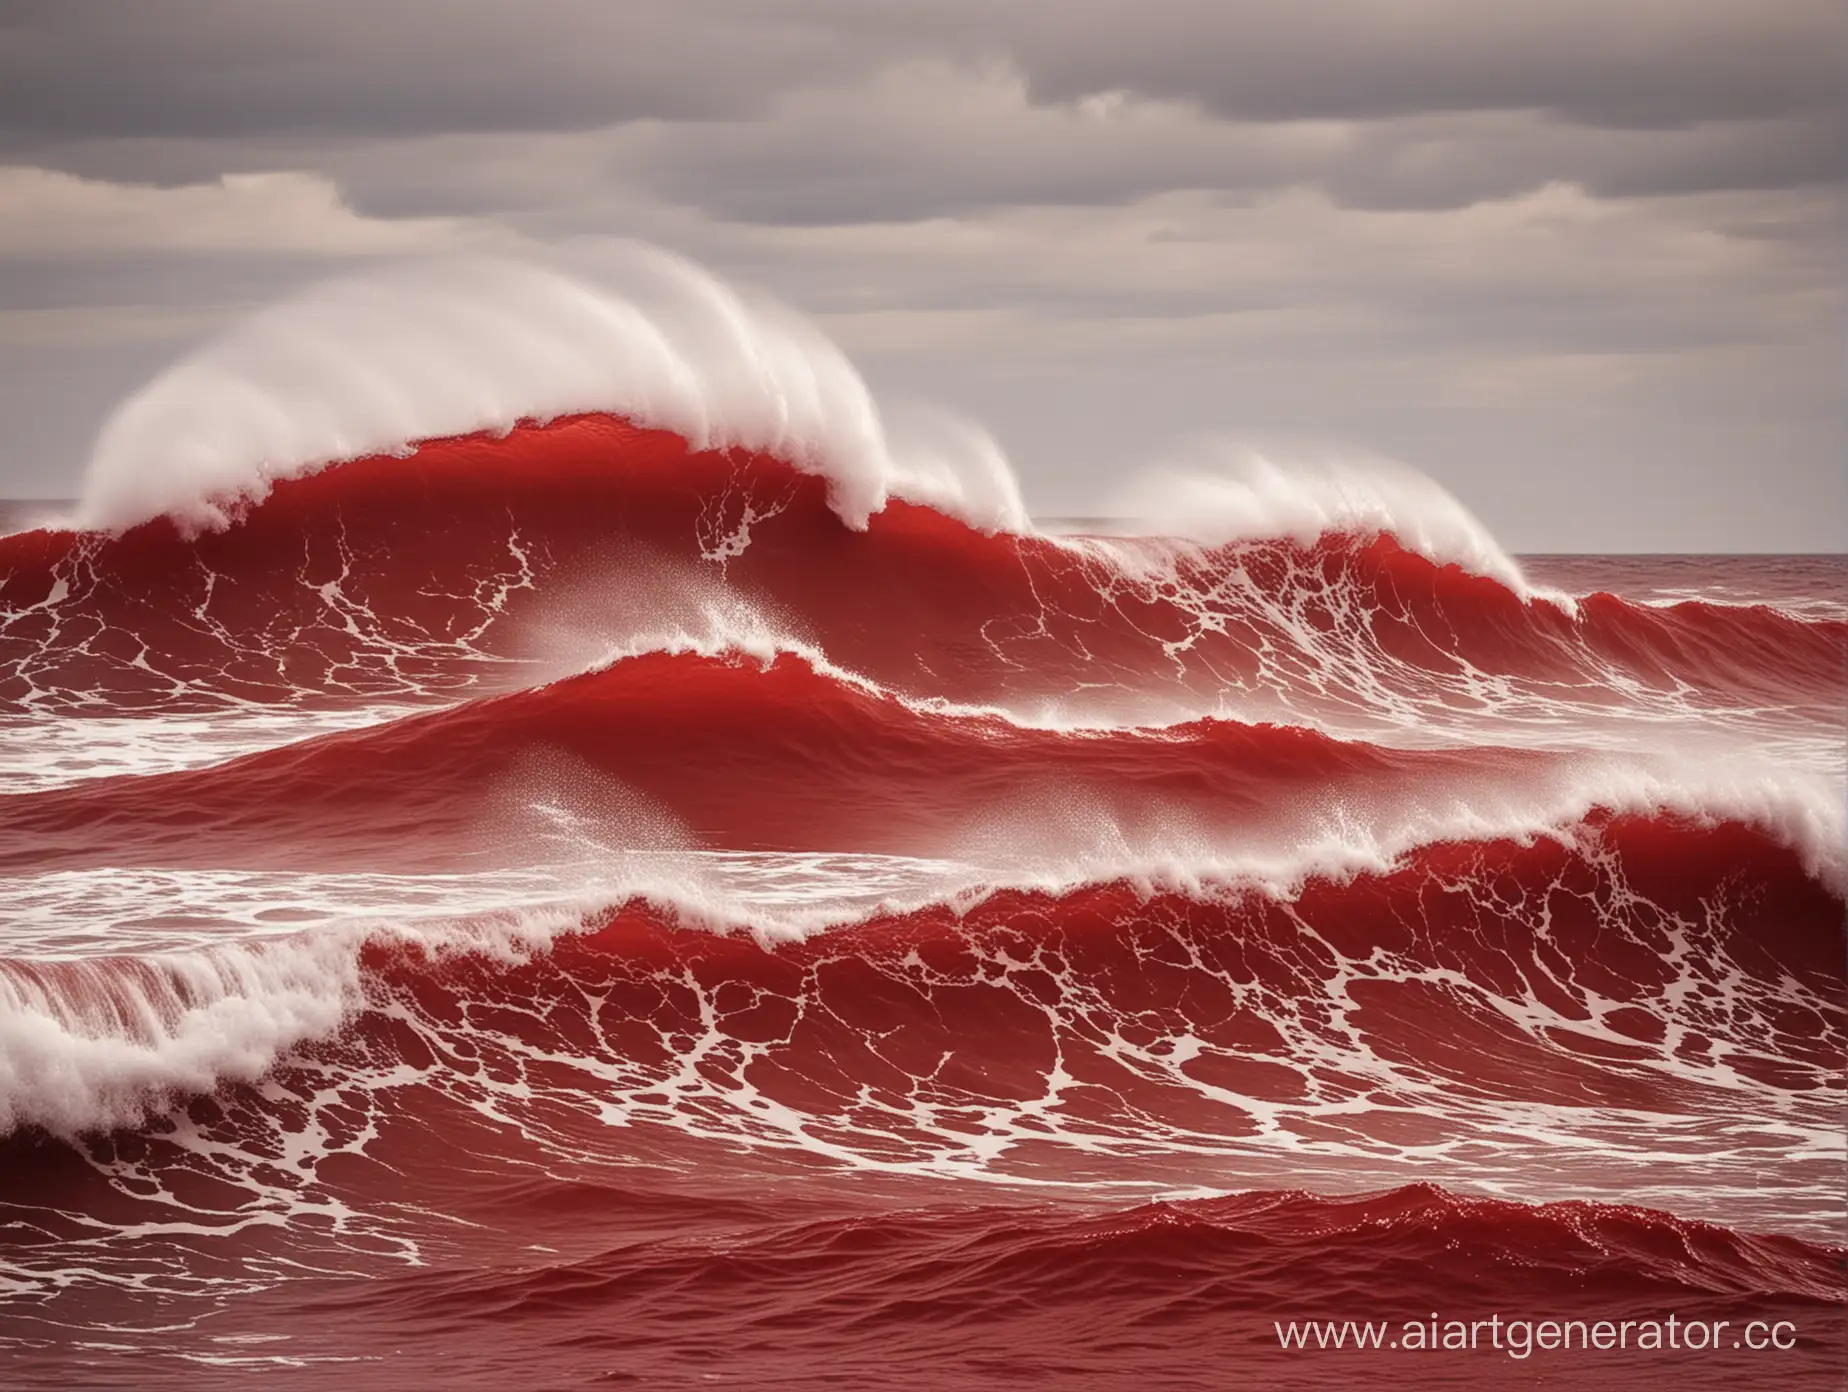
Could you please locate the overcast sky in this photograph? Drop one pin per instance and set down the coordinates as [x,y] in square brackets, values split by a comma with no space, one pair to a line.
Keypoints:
[1582,261]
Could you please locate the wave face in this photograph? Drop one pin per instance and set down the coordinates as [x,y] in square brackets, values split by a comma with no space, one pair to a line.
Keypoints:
[706,890]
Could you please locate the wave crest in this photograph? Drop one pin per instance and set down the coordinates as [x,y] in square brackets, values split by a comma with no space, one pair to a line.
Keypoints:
[1219,493]
[375,363]
[382,362]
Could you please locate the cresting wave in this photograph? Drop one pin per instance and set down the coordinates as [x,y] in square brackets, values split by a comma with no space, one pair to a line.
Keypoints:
[727,754]
[102,1040]
[526,793]
[626,778]
[1023,1035]
[380,364]
[377,364]
[556,547]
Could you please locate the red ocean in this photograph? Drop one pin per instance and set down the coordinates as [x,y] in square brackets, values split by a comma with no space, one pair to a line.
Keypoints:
[566,909]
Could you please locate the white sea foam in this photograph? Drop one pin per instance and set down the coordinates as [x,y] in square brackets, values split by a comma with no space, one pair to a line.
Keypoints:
[375,363]
[94,1044]
[88,1040]
[1217,492]
[370,364]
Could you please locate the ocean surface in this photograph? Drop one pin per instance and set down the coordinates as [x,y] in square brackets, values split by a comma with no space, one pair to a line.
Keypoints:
[569,908]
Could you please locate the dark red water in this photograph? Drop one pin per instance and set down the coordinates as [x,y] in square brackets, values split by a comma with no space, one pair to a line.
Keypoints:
[564,911]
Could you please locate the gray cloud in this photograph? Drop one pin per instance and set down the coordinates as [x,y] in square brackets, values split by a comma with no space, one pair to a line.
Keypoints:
[941,141]
[1552,253]
[1653,63]
[233,67]
[931,139]
[250,67]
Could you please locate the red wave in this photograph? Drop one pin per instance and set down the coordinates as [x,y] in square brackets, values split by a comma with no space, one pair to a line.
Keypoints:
[1651,969]
[501,1116]
[931,1024]
[396,576]
[1404,966]
[646,1077]
[940,1298]
[1173,1294]
[1271,1249]
[744,756]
